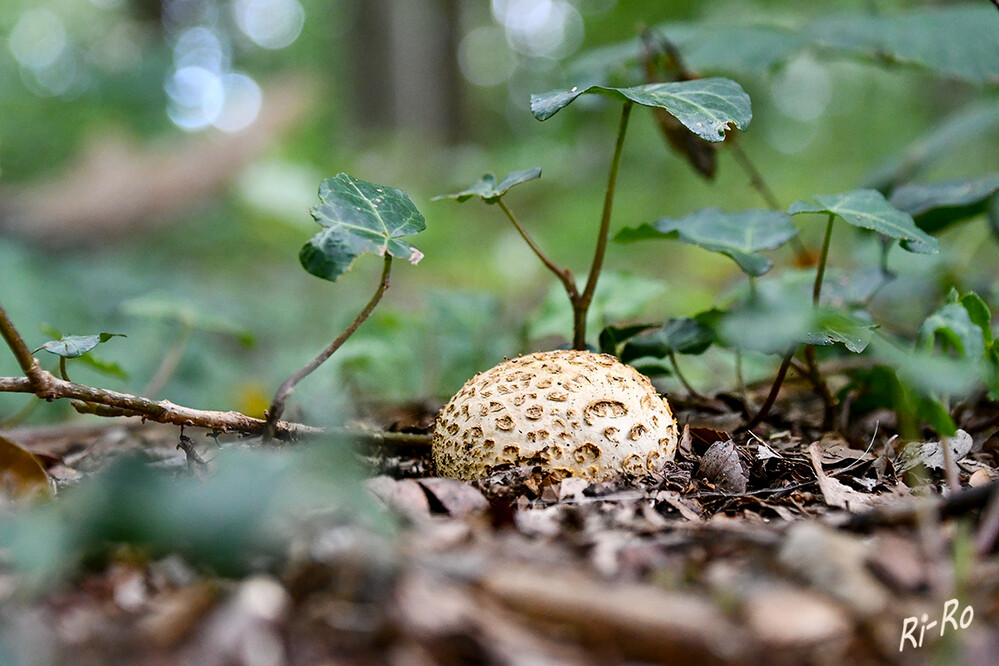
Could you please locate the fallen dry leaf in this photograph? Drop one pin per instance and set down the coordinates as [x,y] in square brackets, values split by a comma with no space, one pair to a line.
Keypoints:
[722,466]
[835,493]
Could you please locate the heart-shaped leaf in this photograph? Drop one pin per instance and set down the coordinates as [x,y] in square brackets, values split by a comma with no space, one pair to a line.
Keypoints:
[738,235]
[707,107]
[73,346]
[358,217]
[938,205]
[489,190]
[869,209]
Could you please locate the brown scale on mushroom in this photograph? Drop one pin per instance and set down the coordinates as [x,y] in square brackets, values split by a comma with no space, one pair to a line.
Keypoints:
[582,414]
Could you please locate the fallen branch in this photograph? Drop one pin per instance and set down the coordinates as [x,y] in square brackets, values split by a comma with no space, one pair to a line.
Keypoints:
[111,403]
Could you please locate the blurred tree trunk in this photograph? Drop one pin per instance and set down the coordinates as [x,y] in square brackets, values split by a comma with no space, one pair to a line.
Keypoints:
[405,66]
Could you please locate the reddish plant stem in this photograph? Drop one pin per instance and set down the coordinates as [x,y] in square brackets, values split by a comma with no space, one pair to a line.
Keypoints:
[563,274]
[288,387]
[582,305]
[774,391]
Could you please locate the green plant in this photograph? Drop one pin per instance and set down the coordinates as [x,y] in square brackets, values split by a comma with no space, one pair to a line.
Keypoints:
[357,217]
[795,313]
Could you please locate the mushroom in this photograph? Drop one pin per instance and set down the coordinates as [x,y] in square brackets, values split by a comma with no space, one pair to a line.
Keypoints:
[575,412]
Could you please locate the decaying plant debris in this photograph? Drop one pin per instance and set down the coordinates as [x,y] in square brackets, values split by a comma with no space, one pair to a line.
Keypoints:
[771,546]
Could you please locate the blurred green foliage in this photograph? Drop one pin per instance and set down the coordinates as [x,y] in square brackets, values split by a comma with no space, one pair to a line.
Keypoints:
[825,119]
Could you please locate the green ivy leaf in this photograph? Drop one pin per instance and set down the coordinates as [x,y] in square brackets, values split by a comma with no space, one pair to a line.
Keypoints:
[980,315]
[938,205]
[707,107]
[953,325]
[74,346]
[869,209]
[488,189]
[358,217]
[951,135]
[960,41]
[680,335]
[612,337]
[737,235]
[849,329]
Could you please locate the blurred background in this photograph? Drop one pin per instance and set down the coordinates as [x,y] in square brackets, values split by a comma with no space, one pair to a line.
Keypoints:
[158,159]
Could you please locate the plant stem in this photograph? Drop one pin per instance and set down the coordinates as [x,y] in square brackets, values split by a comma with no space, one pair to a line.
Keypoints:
[168,366]
[759,184]
[288,387]
[821,387]
[774,391]
[62,369]
[582,305]
[683,380]
[823,258]
[755,177]
[561,273]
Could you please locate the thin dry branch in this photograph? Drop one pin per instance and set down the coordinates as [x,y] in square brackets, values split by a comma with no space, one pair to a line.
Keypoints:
[288,387]
[111,403]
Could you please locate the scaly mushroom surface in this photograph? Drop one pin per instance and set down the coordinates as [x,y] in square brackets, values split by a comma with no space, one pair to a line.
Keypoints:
[582,414]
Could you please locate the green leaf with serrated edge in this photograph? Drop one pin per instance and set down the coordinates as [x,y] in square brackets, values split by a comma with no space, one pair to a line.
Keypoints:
[938,205]
[707,107]
[739,236]
[74,346]
[869,209]
[358,217]
[489,190]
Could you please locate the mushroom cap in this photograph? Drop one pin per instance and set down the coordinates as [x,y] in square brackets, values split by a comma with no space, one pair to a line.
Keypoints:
[582,414]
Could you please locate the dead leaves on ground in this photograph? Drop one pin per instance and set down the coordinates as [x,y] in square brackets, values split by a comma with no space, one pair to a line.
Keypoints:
[734,553]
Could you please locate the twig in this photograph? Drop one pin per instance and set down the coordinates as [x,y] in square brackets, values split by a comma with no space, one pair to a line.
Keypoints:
[907,513]
[29,365]
[774,392]
[168,366]
[563,274]
[161,411]
[582,304]
[288,387]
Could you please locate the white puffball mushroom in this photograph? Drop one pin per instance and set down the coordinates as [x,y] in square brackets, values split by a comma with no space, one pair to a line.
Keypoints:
[575,412]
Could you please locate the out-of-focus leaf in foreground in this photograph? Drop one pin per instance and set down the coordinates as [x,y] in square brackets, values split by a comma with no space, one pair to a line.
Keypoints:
[22,477]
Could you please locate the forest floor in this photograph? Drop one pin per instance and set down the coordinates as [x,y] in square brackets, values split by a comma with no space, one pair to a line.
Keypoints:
[782,546]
